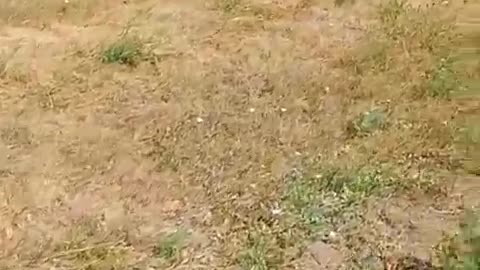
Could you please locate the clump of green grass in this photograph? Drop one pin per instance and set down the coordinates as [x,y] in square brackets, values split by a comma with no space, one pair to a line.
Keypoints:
[444,80]
[170,245]
[470,133]
[256,255]
[462,252]
[470,142]
[312,205]
[321,200]
[124,51]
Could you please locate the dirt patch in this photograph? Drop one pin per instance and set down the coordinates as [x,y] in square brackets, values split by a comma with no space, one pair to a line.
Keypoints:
[324,257]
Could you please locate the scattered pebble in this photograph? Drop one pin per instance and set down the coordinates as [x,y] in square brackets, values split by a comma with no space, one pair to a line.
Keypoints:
[199,120]
[283,109]
[276,211]
[9,233]
[251,110]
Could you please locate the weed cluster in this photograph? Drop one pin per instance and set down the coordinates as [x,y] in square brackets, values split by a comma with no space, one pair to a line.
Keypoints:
[462,252]
[124,51]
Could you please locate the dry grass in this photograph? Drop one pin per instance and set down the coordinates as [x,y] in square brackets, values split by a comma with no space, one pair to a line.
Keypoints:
[192,135]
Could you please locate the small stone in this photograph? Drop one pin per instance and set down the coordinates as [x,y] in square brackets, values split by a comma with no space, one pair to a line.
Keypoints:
[172,206]
[9,233]
[276,211]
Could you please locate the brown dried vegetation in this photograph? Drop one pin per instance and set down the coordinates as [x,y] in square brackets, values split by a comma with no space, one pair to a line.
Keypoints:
[233,134]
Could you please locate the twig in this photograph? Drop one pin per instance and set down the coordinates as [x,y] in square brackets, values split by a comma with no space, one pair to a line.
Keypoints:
[315,258]
[79,250]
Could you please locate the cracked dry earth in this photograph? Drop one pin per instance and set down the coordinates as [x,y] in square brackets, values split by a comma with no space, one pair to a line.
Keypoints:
[97,155]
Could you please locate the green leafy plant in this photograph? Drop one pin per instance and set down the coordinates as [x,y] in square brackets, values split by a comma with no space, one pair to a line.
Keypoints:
[443,80]
[367,122]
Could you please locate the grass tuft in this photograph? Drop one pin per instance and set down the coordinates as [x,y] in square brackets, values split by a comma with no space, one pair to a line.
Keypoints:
[227,6]
[462,252]
[169,247]
[124,51]
[470,143]
[323,199]
[444,80]
[256,256]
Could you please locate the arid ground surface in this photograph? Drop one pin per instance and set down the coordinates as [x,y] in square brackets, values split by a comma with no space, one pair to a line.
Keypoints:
[239,134]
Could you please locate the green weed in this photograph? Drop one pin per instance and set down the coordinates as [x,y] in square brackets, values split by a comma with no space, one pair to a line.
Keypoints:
[311,206]
[255,257]
[443,80]
[367,123]
[169,247]
[323,199]
[470,143]
[125,51]
[462,252]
